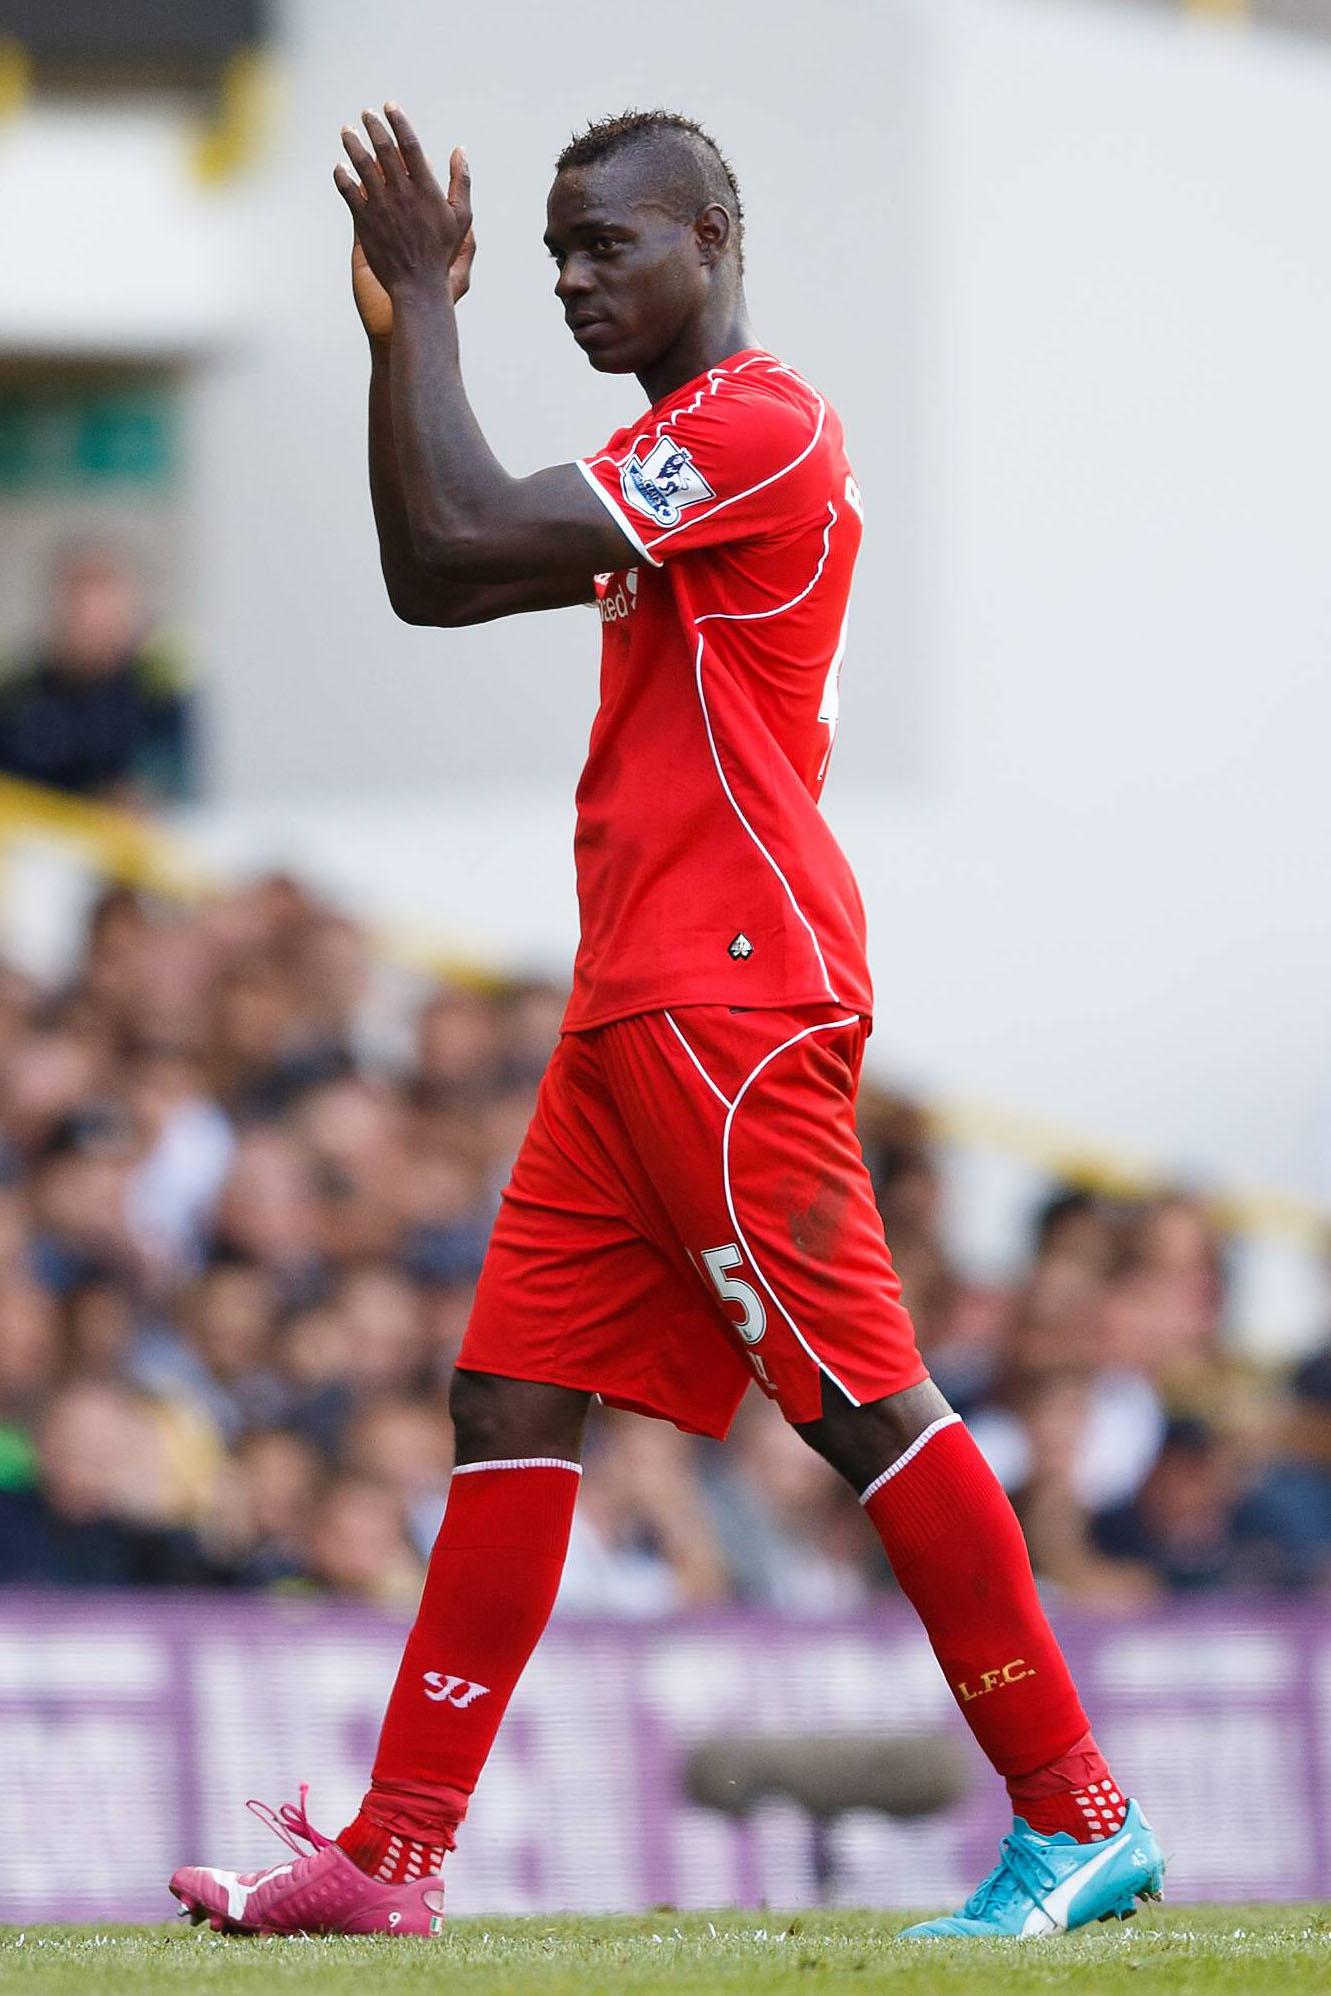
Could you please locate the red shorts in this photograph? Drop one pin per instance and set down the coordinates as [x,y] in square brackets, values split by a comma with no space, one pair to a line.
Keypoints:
[690,1211]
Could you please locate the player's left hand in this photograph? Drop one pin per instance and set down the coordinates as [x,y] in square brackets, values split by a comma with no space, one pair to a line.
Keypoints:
[407,226]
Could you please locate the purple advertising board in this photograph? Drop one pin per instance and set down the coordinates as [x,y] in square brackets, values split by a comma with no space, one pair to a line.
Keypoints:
[134,1729]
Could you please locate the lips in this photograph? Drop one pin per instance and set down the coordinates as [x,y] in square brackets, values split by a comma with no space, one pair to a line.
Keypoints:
[585,325]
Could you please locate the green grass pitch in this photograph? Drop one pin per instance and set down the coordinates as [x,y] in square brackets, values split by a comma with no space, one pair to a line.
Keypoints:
[1186,1951]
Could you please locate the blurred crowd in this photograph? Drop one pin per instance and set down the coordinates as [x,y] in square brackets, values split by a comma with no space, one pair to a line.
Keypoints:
[247,1172]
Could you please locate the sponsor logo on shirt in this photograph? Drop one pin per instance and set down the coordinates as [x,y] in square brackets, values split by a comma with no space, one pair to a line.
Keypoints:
[616,603]
[664,483]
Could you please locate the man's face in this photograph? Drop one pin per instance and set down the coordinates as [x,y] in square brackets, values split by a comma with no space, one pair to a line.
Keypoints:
[630,273]
[97,617]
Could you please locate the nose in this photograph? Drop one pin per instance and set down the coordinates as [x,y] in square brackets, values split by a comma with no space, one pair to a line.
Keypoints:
[573,281]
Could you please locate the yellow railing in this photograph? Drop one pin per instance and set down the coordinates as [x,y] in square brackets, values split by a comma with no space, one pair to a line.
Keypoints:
[135,852]
[118,846]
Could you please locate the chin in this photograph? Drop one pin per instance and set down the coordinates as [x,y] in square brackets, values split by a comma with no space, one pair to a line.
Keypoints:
[610,363]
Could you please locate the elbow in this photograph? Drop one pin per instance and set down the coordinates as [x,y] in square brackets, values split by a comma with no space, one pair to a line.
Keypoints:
[409,612]
[451,558]
[438,609]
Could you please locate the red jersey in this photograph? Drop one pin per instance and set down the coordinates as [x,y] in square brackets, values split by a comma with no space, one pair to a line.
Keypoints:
[706,872]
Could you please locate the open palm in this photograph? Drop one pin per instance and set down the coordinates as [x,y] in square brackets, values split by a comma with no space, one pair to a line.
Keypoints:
[372,300]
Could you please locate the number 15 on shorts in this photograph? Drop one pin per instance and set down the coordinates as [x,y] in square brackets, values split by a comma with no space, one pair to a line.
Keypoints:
[752,1325]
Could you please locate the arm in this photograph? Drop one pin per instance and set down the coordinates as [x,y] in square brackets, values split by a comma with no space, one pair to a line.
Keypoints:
[466,520]
[416,594]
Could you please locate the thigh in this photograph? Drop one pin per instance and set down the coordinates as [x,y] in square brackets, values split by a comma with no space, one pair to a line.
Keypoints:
[745,1124]
[584,1285]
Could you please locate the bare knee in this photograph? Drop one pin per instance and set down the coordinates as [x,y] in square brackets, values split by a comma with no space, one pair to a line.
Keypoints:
[861,1442]
[507,1420]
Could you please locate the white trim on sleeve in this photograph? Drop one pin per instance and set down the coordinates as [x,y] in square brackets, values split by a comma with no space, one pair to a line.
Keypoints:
[616,511]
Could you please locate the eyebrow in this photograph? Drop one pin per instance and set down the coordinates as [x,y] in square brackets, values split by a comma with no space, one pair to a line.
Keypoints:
[590,225]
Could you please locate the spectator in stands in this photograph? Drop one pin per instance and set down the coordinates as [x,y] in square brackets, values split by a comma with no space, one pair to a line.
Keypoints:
[358,1545]
[459,1048]
[230,1316]
[447,1308]
[186,1146]
[407,1445]
[1057,1415]
[269,1212]
[1179,1526]
[97,1516]
[246,1179]
[100,1331]
[386,1330]
[643,1542]
[101,709]
[530,1016]
[29,1365]
[313,1355]
[80,1181]
[262,1510]
[792,1533]
[1283,1526]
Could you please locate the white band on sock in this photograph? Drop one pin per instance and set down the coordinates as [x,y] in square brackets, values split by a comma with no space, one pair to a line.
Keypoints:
[531,1462]
[935,1427]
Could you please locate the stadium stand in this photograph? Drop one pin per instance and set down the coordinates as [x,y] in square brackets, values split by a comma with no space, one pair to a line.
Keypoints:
[248,1163]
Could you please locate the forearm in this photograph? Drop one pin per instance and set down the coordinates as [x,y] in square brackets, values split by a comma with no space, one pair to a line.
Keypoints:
[468,517]
[421,595]
[453,485]
[443,501]
[403,577]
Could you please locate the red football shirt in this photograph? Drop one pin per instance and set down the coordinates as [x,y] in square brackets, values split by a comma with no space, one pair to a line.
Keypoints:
[706,872]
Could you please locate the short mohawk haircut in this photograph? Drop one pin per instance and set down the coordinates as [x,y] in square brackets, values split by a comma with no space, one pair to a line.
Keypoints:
[605,137]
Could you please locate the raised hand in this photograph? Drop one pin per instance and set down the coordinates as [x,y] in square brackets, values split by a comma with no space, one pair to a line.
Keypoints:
[373,302]
[407,229]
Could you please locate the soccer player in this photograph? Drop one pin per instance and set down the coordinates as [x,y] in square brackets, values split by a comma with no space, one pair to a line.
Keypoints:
[690,1211]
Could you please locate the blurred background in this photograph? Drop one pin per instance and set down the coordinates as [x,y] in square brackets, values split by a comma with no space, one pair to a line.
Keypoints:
[286,915]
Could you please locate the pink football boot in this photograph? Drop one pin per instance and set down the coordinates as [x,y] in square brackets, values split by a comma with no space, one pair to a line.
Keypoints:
[320,1892]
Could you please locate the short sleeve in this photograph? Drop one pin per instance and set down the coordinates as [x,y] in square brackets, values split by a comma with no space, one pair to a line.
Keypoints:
[736,463]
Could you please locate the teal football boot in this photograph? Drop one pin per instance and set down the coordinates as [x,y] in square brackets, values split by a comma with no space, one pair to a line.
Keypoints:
[1048,1885]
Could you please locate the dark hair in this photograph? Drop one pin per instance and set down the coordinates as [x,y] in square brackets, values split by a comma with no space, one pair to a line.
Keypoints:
[714,179]
[1069,1202]
[1311,1383]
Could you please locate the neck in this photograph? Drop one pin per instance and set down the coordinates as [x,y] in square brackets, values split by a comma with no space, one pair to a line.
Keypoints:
[705,343]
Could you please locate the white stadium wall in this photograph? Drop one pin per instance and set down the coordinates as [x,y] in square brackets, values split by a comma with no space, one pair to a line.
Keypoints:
[1062,267]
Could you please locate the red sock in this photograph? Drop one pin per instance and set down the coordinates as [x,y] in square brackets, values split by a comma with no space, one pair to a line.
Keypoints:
[1076,1793]
[959,1555]
[491,1584]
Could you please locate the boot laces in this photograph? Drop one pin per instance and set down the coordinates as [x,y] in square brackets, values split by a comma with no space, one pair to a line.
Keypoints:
[1018,1870]
[291,1822]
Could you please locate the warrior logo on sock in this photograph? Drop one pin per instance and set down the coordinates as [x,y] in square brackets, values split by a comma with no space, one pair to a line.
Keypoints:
[456,1691]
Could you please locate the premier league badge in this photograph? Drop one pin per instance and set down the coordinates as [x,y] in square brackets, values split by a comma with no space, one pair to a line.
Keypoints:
[664,482]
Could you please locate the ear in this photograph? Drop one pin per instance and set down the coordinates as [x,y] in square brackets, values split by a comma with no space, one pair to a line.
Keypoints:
[712,232]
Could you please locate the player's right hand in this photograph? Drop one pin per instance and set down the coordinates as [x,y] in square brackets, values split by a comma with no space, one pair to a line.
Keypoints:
[373,302]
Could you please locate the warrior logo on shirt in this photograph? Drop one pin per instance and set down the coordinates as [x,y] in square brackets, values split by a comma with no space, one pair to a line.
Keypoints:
[664,482]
